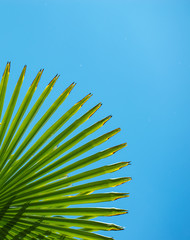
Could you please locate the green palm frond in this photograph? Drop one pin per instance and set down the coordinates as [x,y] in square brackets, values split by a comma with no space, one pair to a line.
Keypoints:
[37,187]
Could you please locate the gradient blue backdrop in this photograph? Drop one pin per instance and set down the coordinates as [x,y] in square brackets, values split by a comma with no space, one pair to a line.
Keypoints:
[135,57]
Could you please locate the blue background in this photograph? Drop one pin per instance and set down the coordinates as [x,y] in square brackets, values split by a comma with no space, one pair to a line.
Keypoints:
[135,57]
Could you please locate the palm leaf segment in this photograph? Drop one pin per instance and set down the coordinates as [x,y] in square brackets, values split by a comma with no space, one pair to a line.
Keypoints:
[36,193]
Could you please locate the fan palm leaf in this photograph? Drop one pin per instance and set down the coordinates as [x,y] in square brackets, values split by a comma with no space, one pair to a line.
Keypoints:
[37,187]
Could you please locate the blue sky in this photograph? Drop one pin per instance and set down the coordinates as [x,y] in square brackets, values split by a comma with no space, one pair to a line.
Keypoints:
[134,56]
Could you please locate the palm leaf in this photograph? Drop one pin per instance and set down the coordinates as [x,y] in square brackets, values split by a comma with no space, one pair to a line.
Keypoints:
[37,195]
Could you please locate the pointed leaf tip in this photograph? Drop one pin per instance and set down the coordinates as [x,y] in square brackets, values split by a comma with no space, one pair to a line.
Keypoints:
[7,68]
[53,80]
[73,83]
[106,119]
[24,69]
[122,195]
[116,227]
[124,144]
[41,70]
[9,65]
[119,129]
